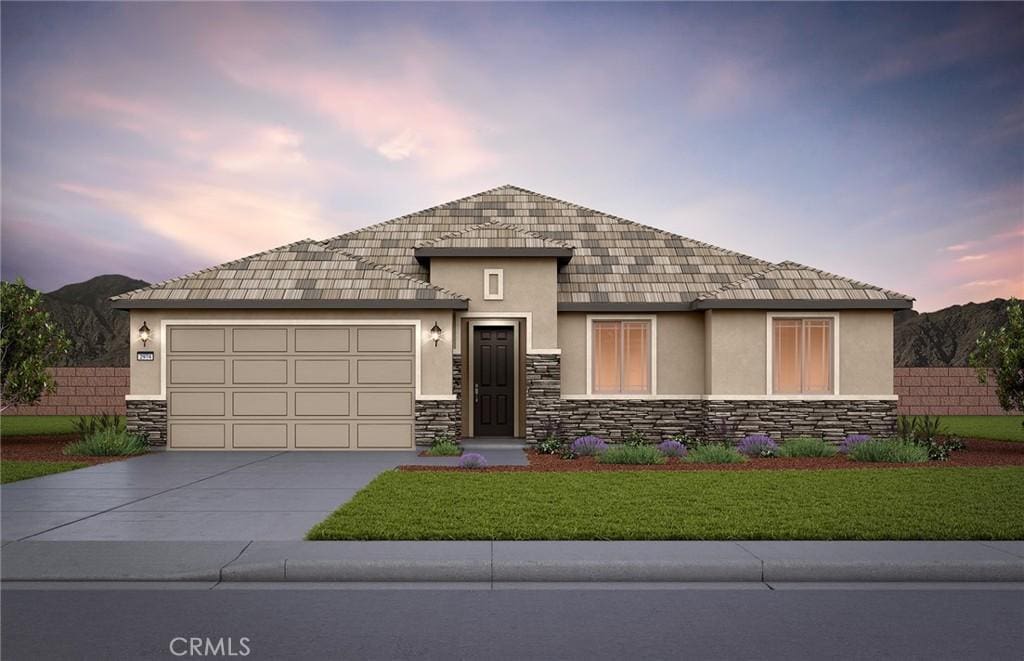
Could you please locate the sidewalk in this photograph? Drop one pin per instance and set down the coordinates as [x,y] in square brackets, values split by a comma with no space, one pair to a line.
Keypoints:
[493,562]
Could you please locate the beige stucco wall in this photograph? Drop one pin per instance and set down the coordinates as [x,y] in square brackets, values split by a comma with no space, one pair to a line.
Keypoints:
[737,346]
[530,285]
[680,353]
[736,358]
[436,362]
[865,352]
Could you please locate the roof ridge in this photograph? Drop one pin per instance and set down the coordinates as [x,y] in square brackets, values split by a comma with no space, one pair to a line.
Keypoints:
[162,283]
[381,267]
[573,205]
[415,213]
[494,222]
[788,263]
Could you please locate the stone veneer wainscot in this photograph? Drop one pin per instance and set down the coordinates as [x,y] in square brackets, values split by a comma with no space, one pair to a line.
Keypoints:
[149,418]
[441,416]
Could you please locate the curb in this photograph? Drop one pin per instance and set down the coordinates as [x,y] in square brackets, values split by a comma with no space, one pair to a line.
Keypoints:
[516,562]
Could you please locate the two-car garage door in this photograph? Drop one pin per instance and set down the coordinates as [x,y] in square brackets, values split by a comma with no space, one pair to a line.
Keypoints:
[290,387]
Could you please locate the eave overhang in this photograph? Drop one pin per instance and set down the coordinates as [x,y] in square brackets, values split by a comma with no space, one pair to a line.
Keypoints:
[289,304]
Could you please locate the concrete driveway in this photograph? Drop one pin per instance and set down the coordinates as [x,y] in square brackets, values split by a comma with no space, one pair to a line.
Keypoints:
[183,496]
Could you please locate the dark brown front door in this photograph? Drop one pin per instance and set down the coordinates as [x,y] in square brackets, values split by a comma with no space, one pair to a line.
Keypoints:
[493,381]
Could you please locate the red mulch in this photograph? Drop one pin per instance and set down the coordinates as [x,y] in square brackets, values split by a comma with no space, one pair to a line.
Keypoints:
[979,452]
[45,448]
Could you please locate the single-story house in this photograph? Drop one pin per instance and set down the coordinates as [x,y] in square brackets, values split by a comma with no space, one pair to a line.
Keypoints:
[505,314]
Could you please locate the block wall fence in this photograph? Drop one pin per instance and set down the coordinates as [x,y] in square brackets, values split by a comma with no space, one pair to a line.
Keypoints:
[922,391]
[944,391]
[82,391]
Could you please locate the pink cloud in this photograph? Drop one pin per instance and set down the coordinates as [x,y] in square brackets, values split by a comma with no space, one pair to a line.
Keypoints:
[972,258]
[218,222]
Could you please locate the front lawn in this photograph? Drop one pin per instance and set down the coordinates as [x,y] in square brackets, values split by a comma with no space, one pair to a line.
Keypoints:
[903,503]
[997,427]
[37,425]
[12,471]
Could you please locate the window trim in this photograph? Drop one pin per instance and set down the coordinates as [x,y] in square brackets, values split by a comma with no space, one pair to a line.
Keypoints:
[488,296]
[653,319]
[770,351]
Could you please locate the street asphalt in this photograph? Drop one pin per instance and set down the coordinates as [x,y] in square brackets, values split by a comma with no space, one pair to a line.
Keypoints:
[460,621]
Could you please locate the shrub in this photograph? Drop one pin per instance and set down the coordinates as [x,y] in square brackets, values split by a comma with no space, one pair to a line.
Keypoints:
[588,445]
[443,439]
[714,453]
[758,445]
[445,449]
[672,448]
[108,443]
[87,425]
[889,450]
[550,445]
[804,446]
[631,454]
[636,439]
[472,460]
[852,441]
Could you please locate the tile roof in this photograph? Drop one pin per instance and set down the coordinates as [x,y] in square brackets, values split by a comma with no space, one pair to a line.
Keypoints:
[493,234]
[614,263]
[303,273]
[789,281]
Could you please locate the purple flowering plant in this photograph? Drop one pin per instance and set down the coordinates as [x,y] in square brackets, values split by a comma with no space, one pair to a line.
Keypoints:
[588,445]
[472,460]
[758,445]
[672,448]
[852,441]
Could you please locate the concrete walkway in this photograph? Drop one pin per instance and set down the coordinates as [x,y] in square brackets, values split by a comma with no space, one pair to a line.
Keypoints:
[208,496]
[515,562]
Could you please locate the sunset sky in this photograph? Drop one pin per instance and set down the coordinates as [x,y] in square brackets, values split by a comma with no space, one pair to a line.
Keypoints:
[881,142]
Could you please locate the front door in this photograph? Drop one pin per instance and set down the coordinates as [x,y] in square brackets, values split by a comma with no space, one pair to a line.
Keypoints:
[493,381]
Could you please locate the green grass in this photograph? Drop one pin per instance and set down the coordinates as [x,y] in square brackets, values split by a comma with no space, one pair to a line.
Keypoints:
[37,425]
[631,454]
[445,450]
[889,450]
[997,427]
[714,454]
[108,443]
[899,503]
[806,447]
[12,471]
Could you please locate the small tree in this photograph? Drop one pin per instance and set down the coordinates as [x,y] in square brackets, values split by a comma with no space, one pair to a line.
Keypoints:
[29,343]
[1002,351]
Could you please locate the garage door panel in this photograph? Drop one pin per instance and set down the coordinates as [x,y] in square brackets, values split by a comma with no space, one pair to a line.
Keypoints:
[370,435]
[189,372]
[194,340]
[322,372]
[333,340]
[322,403]
[245,340]
[196,403]
[249,435]
[196,435]
[321,435]
[384,340]
[375,403]
[256,372]
[388,371]
[259,403]
[279,387]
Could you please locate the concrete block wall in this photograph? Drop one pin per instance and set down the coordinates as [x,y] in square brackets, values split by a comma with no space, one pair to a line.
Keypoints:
[82,391]
[944,391]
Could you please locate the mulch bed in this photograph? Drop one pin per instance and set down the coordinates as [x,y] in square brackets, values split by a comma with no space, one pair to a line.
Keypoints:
[979,452]
[45,448]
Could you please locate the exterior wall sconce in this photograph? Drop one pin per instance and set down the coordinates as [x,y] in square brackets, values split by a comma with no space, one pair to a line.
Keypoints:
[144,333]
[435,333]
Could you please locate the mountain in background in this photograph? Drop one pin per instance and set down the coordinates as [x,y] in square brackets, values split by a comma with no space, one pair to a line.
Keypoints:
[943,338]
[99,334]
